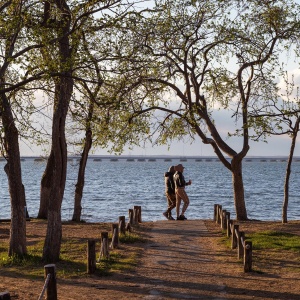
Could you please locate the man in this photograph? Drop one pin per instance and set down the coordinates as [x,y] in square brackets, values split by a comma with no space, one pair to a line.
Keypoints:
[180,191]
[170,193]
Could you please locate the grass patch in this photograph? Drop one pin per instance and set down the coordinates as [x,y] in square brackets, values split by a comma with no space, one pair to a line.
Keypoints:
[73,258]
[130,238]
[226,241]
[275,240]
[117,261]
[30,265]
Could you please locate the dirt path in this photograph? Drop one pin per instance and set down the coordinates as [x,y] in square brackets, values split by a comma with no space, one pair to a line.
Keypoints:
[181,260]
[184,260]
[179,263]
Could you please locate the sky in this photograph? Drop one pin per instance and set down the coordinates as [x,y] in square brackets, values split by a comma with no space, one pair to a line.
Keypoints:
[275,146]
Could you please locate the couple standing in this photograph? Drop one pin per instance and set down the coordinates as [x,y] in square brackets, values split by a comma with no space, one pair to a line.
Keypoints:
[175,191]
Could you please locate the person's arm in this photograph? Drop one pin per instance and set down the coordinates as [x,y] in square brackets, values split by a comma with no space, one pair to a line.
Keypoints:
[189,182]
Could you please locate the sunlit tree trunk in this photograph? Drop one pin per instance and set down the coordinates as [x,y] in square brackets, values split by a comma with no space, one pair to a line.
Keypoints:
[81,175]
[235,166]
[57,165]
[45,190]
[17,241]
[288,173]
[58,169]
[238,190]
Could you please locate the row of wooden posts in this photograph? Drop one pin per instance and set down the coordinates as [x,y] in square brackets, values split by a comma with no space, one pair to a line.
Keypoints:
[135,217]
[238,241]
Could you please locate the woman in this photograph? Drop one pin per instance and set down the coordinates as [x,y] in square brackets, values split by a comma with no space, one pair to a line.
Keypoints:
[180,191]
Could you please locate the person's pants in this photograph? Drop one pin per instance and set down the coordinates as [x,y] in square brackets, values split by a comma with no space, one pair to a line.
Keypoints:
[181,194]
[171,199]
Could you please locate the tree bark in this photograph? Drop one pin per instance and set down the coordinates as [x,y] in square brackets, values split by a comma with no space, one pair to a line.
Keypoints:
[81,176]
[288,173]
[235,166]
[45,190]
[17,241]
[238,189]
[57,165]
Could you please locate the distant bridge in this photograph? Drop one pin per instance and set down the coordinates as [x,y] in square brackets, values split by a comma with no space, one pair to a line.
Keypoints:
[166,158]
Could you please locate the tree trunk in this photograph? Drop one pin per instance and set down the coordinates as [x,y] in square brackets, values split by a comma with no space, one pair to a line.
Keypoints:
[238,189]
[81,175]
[57,165]
[235,166]
[17,241]
[288,173]
[286,190]
[45,190]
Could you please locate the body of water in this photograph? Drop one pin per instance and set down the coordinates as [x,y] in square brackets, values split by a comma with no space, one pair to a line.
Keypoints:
[112,187]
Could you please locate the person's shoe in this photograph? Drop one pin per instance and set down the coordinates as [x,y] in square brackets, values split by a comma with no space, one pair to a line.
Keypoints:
[183,217]
[180,218]
[171,218]
[166,215]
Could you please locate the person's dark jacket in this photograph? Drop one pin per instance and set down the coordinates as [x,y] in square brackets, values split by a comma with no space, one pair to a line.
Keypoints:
[169,183]
[179,180]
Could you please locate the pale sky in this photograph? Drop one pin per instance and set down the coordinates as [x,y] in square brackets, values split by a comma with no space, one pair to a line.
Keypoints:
[276,146]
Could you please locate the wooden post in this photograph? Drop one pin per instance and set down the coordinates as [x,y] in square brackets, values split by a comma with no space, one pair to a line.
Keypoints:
[223,219]
[241,238]
[122,224]
[104,245]
[229,227]
[218,214]
[51,289]
[5,296]
[128,227]
[215,212]
[140,214]
[247,256]
[235,228]
[91,256]
[130,214]
[227,217]
[103,235]
[137,214]
[115,235]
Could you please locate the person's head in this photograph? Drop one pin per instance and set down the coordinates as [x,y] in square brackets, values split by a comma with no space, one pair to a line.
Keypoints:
[180,168]
[172,169]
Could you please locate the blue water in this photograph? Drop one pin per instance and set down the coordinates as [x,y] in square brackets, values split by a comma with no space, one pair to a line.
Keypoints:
[112,187]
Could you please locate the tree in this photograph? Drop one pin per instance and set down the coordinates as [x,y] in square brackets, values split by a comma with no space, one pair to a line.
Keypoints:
[90,94]
[66,21]
[280,116]
[204,57]
[294,132]
[95,109]
[12,79]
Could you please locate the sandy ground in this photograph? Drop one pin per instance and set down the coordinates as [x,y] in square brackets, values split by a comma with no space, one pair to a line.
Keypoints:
[180,260]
